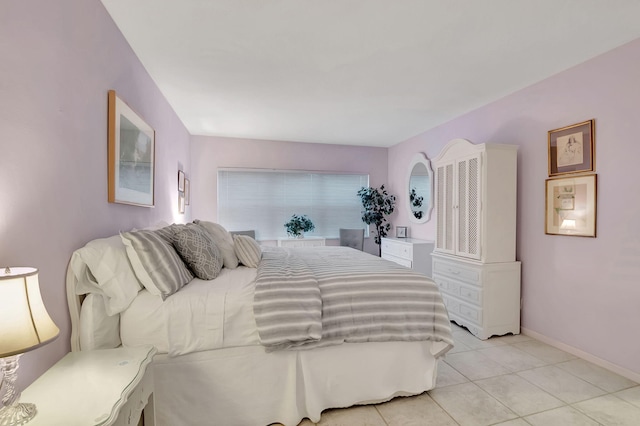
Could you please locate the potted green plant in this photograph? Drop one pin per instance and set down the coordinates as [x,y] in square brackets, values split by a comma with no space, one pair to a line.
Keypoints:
[377,204]
[298,225]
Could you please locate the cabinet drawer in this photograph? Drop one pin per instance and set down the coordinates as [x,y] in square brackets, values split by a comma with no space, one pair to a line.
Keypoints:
[461,309]
[446,285]
[468,294]
[470,312]
[398,260]
[398,249]
[459,272]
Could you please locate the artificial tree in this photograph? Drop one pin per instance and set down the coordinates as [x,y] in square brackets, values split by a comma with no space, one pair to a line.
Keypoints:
[377,204]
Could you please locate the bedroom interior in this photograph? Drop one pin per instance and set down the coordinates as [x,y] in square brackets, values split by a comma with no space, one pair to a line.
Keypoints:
[578,294]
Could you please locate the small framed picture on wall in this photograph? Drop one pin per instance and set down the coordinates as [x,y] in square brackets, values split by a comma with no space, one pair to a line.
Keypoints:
[401,232]
[181,202]
[571,206]
[571,149]
[180,181]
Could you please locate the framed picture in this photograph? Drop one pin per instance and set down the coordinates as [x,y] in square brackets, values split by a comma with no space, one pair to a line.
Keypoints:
[401,232]
[180,181]
[187,192]
[131,155]
[571,206]
[571,149]
[181,202]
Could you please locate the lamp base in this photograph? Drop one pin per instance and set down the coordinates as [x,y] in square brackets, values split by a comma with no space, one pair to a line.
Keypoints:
[17,414]
[13,412]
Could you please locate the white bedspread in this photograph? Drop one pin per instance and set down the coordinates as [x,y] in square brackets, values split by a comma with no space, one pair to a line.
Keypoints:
[203,315]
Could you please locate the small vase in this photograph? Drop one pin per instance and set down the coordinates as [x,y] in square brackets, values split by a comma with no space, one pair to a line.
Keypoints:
[300,235]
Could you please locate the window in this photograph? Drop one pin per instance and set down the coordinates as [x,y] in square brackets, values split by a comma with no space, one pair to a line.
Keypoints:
[264,200]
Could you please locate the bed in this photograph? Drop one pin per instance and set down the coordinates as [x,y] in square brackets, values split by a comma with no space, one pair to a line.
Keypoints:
[258,344]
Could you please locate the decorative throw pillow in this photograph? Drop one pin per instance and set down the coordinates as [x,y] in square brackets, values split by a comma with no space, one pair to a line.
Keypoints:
[223,241]
[198,250]
[155,261]
[248,250]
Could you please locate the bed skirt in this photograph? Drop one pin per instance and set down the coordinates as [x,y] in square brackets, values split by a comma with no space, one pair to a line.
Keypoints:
[246,386]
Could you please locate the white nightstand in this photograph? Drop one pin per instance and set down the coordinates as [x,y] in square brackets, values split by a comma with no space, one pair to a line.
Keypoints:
[301,242]
[108,387]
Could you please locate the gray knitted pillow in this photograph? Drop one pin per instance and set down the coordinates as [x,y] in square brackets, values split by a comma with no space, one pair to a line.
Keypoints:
[198,250]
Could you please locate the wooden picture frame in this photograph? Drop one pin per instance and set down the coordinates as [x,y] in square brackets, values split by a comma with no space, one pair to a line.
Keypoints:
[131,155]
[180,181]
[571,206]
[187,192]
[571,149]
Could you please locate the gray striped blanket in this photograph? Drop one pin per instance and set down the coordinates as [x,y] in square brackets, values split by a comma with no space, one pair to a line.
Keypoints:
[311,297]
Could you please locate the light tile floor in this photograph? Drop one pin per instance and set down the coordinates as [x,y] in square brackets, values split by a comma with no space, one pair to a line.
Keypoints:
[507,381]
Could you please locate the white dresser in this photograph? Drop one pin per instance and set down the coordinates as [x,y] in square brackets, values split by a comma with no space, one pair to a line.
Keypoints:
[301,242]
[474,257]
[410,252]
[485,298]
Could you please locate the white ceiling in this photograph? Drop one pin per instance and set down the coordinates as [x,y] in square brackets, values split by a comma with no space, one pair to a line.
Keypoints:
[357,72]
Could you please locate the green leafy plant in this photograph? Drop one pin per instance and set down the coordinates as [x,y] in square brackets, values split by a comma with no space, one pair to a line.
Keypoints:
[299,224]
[377,204]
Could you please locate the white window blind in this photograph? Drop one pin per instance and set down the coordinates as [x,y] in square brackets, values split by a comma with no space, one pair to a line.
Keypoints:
[264,200]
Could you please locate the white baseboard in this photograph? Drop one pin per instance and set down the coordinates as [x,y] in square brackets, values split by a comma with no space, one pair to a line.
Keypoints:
[631,375]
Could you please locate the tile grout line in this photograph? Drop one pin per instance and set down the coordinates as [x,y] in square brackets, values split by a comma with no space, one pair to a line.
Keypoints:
[547,364]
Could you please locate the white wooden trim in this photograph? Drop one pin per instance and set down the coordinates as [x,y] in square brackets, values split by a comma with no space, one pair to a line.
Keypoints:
[631,375]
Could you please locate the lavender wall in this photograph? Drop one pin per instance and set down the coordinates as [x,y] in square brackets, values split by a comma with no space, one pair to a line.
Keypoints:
[209,153]
[59,59]
[579,292]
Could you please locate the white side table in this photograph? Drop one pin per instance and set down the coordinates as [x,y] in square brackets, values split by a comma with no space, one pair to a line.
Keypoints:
[108,387]
[301,242]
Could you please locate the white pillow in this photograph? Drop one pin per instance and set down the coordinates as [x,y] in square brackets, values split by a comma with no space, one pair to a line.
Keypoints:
[155,262]
[97,329]
[223,241]
[109,273]
[248,250]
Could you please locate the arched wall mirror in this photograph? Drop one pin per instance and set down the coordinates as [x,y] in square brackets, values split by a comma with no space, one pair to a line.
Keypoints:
[420,189]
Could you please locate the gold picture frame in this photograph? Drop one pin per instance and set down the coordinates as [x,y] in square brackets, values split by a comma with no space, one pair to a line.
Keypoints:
[181,202]
[131,155]
[180,181]
[571,149]
[570,207]
[187,192]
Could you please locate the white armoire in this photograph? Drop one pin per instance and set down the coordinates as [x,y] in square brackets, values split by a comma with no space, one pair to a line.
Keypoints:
[474,261]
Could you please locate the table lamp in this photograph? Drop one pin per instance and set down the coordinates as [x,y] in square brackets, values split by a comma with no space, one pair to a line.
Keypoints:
[24,325]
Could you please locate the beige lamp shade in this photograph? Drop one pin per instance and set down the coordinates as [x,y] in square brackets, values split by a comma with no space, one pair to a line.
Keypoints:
[24,320]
